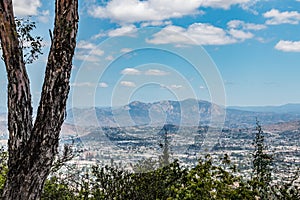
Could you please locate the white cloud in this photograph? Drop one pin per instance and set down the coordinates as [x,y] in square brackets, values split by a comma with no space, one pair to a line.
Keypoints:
[44,16]
[87,58]
[97,52]
[250,6]
[176,86]
[239,34]
[163,86]
[288,46]
[130,71]
[276,17]
[238,24]
[155,72]
[156,23]
[131,11]
[82,84]
[99,35]
[127,84]
[251,26]
[90,56]
[149,72]
[26,7]
[240,29]
[125,50]
[127,30]
[261,39]
[109,58]
[197,33]
[89,84]
[103,85]
[88,51]
[225,4]
[85,45]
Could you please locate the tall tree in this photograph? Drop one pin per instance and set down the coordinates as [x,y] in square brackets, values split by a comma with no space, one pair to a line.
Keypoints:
[33,146]
[164,159]
[261,164]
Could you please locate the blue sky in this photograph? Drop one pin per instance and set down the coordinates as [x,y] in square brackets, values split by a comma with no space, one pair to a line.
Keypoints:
[232,52]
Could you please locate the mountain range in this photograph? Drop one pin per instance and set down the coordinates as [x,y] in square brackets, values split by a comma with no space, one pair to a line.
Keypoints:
[188,112]
[287,108]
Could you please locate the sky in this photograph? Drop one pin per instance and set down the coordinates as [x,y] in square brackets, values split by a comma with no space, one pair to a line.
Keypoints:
[231,52]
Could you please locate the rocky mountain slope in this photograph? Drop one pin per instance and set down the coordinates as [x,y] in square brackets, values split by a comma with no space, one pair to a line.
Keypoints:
[189,112]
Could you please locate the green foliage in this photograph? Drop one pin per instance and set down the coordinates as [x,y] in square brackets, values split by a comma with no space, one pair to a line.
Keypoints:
[61,159]
[208,181]
[30,45]
[145,165]
[55,188]
[261,164]
[114,183]
[211,178]
[288,188]
[204,181]
[150,164]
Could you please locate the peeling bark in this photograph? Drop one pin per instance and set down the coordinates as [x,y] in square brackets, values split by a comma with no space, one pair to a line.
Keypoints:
[32,148]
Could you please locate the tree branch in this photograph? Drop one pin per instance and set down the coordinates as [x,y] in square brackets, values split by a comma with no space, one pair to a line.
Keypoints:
[51,111]
[19,97]
[33,149]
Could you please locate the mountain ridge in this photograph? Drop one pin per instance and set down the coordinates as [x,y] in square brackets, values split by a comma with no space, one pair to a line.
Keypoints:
[285,108]
[185,112]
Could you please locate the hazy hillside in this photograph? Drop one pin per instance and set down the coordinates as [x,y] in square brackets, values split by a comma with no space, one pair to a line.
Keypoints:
[287,108]
[188,113]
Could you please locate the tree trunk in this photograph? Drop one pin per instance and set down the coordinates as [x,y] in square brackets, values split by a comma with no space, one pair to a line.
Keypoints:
[32,148]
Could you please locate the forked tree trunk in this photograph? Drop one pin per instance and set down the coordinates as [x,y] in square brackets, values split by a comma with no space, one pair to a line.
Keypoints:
[32,147]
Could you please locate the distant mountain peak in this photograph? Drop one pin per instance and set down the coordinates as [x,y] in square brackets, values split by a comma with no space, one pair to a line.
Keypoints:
[189,112]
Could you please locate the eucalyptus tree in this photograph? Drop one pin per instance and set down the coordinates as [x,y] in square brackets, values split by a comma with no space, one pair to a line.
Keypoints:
[32,145]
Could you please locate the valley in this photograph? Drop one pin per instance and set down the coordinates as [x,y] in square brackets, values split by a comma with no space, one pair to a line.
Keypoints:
[140,131]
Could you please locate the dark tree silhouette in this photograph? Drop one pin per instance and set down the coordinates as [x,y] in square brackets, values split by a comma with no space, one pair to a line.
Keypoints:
[165,157]
[262,164]
[33,146]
